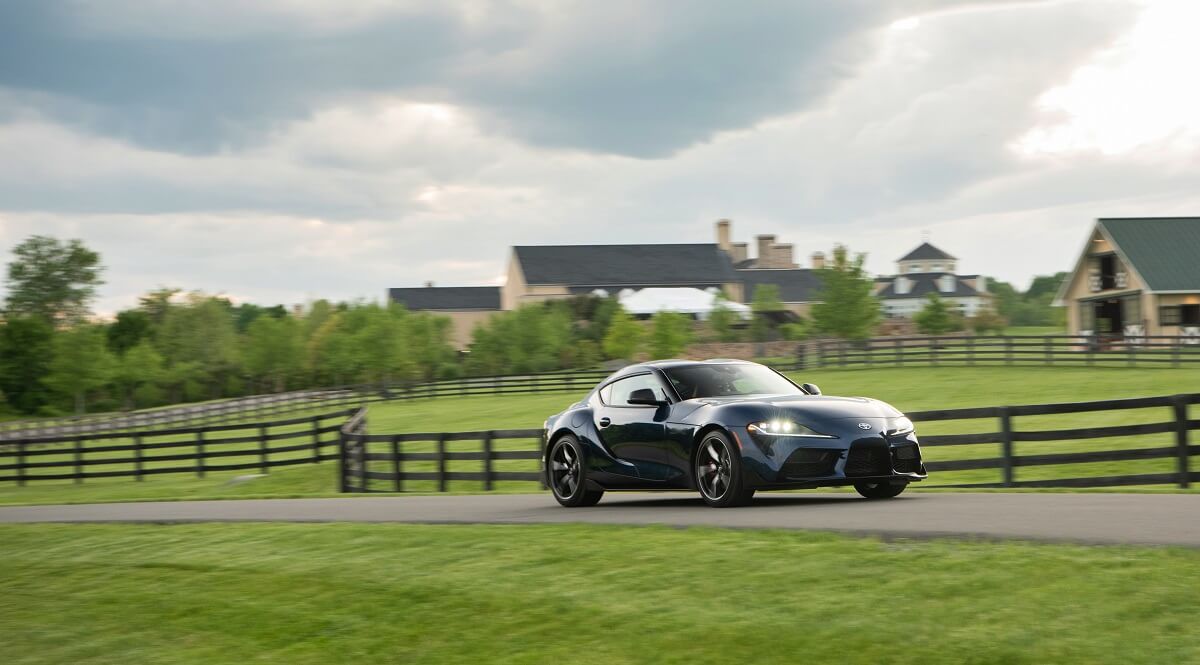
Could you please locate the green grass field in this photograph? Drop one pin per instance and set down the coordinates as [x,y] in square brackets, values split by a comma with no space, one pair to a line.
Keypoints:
[297,594]
[910,389]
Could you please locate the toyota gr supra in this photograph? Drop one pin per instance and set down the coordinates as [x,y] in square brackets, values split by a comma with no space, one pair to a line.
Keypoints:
[725,428]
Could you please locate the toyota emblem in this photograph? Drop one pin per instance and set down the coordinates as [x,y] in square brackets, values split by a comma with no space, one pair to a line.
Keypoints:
[864,425]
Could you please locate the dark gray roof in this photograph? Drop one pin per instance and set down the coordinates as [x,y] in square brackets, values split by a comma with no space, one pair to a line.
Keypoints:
[925,283]
[623,265]
[1165,251]
[455,298]
[795,285]
[925,252]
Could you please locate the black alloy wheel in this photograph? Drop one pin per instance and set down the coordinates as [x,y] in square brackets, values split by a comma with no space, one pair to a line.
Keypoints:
[567,476]
[719,472]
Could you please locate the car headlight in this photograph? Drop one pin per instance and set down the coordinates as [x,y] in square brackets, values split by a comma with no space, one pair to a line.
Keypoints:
[785,428]
[899,426]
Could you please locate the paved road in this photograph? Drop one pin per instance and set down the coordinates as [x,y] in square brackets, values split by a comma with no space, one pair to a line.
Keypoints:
[1169,519]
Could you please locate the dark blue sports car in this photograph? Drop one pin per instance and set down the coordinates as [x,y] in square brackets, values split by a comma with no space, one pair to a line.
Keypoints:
[726,428]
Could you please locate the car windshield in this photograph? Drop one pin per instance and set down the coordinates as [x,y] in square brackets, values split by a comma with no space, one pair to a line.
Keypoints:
[728,380]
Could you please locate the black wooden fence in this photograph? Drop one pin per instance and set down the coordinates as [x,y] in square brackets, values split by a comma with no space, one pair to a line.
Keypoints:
[1005,350]
[258,406]
[376,462]
[192,450]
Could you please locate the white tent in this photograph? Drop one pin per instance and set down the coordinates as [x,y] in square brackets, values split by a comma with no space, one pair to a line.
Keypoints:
[683,300]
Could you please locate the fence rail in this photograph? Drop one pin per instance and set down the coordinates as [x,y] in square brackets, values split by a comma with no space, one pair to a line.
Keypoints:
[192,450]
[1006,350]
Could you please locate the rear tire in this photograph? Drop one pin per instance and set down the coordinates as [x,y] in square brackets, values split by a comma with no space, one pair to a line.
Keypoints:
[567,474]
[718,472]
[882,490]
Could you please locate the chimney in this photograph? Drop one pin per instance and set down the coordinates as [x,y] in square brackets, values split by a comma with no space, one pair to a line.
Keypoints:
[723,240]
[764,250]
[429,285]
[818,260]
[783,255]
[741,252]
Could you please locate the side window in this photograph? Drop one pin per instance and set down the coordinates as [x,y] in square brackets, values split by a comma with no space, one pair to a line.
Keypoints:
[617,393]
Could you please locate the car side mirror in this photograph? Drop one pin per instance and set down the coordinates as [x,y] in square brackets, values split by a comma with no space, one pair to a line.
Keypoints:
[645,397]
[811,388]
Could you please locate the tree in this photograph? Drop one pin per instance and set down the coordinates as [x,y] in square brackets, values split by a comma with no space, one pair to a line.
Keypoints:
[198,341]
[274,350]
[766,302]
[937,317]
[987,320]
[131,328]
[623,337]
[848,307]
[52,280]
[721,321]
[138,371]
[670,333]
[82,363]
[26,349]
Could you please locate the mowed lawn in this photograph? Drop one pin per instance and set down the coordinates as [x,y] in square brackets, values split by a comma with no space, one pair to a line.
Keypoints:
[910,389]
[339,593]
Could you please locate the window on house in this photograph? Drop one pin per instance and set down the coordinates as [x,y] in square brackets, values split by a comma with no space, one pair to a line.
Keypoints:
[1179,315]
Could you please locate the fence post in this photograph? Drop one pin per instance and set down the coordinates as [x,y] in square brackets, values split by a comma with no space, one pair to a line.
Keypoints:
[316,439]
[360,452]
[200,453]
[841,353]
[971,350]
[820,353]
[343,472]
[137,457]
[1179,404]
[487,461]
[1049,353]
[933,349]
[78,460]
[1175,350]
[1006,445]
[21,463]
[397,467]
[441,461]
[262,449]
[1008,350]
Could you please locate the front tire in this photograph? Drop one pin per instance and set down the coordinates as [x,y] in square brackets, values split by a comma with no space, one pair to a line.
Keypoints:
[567,474]
[880,490]
[718,472]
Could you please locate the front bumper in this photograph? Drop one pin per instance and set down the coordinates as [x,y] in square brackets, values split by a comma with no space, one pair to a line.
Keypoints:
[793,461]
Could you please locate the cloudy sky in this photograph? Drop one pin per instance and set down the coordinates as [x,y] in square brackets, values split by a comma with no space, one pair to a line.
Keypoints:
[286,150]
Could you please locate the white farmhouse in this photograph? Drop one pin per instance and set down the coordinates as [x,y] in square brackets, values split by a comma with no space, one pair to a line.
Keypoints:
[926,270]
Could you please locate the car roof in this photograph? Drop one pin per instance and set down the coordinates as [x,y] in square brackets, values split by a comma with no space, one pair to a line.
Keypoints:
[673,363]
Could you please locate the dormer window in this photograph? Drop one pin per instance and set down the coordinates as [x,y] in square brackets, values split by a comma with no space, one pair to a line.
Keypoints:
[947,283]
[903,285]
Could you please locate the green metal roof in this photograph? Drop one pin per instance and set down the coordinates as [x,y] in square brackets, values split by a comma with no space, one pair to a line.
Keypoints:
[1165,251]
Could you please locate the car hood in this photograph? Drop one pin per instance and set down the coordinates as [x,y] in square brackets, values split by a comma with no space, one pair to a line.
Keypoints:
[825,407]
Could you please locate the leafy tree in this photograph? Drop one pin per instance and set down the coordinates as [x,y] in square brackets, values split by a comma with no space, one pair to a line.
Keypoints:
[157,303]
[669,334]
[795,331]
[937,317]
[722,321]
[623,337]
[766,302]
[26,349]
[848,307]
[82,363]
[274,350]
[138,371]
[53,280]
[131,328]
[198,341]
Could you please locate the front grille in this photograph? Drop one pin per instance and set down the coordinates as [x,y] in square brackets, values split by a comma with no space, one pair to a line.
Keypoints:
[869,458]
[809,462]
[906,459]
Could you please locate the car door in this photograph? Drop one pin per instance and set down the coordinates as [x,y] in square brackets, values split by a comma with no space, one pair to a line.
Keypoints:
[633,432]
